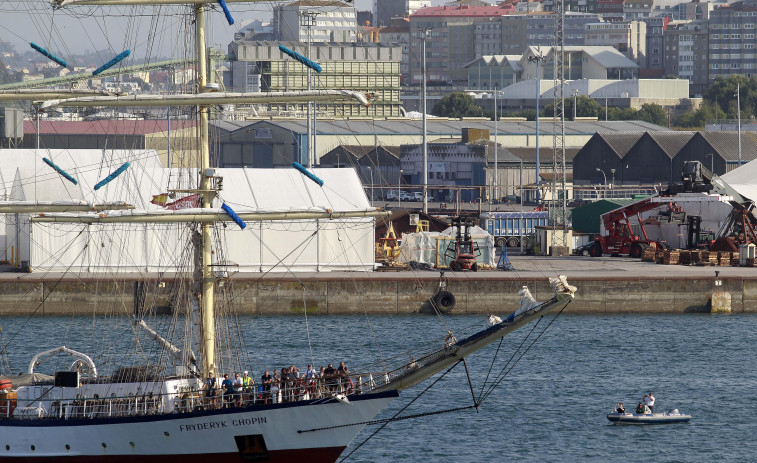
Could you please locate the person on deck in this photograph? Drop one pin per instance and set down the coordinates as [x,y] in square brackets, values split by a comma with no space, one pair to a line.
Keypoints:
[642,409]
[620,408]
[248,385]
[237,385]
[330,376]
[211,384]
[275,385]
[266,379]
[650,402]
[345,382]
[228,389]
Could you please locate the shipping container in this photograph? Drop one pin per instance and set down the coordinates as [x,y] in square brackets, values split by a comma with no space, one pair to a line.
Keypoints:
[509,228]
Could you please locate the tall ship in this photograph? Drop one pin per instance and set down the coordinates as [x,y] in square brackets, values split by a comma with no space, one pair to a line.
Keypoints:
[168,400]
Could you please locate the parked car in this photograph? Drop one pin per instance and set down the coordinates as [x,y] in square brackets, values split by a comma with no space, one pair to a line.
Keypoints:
[583,250]
[406,196]
[511,199]
[417,196]
[391,195]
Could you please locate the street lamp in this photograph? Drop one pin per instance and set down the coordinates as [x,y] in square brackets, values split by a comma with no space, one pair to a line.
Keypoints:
[371,172]
[738,115]
[537,59]
[612,183]
[603,176]
[399,189]
[575,101]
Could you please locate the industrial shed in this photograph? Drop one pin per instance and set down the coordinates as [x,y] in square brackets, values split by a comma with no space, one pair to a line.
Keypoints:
[650,158]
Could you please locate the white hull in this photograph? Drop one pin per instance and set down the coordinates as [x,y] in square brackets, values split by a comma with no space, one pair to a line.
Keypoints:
[205,433]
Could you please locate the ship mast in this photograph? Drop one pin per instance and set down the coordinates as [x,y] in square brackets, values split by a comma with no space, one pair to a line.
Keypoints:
[208,315]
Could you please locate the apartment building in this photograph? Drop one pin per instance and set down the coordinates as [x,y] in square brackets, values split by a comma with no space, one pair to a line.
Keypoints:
[398,32]
[732,40]
[365,67]
[519,31]
[434,24]
[385,10]
[686,53]
[334,21]
[629,38]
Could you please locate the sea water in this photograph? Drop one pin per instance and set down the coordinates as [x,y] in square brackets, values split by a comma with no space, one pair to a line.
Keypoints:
[551,406]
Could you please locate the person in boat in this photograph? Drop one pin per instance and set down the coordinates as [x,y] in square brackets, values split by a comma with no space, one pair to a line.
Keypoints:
[344,381]
[237,385]
[330,377]
[620,409]
[275,385]
[228,389]
[642,409]
[650,402]
[211,384]
[248,385]
[266,380]
[310,376]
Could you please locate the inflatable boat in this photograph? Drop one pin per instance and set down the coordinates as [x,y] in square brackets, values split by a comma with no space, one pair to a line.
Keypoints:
[671,416]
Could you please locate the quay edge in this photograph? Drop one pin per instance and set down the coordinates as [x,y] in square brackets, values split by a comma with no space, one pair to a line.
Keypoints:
[605,286]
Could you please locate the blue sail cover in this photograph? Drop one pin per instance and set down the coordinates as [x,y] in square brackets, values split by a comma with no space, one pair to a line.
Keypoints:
[62,172]
[120,57]
[233,216]
[110,177]
[307,62]
[49,55]
[307,173]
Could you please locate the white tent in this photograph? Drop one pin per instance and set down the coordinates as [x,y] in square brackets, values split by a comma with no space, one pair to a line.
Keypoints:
[744,180]
[305,245]
[24,176]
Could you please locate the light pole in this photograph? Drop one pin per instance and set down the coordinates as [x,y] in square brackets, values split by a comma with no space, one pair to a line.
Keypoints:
[371,172]
[712,162]
[425,129]
[738,115]
[605,179]
[399,190]
[612,183]
[575,101]
[537,59]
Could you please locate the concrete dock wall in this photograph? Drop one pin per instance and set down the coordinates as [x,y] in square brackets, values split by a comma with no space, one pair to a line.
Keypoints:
[324,294]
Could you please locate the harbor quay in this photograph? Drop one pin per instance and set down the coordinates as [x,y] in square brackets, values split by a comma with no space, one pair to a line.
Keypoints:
[606,285]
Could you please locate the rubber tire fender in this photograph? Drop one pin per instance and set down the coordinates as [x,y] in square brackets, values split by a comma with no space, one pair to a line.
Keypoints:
[444,301]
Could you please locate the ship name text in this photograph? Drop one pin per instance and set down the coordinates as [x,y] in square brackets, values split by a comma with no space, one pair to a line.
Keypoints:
[222,424]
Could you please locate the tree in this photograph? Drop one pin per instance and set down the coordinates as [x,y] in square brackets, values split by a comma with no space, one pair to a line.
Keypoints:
[458,104]
[652,113]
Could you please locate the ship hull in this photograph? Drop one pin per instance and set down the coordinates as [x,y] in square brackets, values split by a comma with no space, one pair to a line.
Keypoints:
[288,432]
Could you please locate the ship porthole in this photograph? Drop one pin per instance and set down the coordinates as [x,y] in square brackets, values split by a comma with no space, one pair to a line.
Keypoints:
[68,447]
[104,445]
[7,447]
[166,434]
[32,448]
[132,444]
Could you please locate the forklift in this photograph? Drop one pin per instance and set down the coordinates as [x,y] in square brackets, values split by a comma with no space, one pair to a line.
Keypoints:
[463,251]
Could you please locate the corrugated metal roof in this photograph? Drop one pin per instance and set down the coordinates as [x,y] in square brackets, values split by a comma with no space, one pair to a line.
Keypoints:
[671,142]
[621,143]
[443,127]
[727,144]
[105,127]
